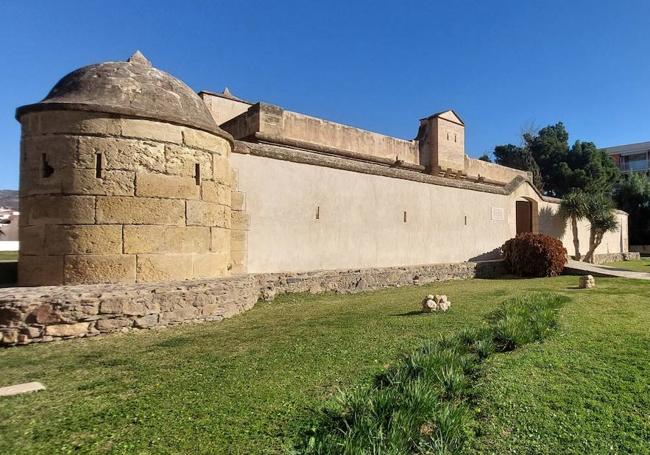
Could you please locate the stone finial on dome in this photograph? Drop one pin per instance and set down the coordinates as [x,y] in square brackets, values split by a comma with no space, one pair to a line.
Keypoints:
[139,58]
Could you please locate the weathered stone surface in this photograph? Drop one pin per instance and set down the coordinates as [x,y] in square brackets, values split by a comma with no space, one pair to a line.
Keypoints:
[238,201]
[44,314]
[39,210]
[166,186]
[147,129]
[182,161]
[220,240]
[238,240]
[201,213]
[586,282]
[86,182]
[40,270]
[181,314]
[59,151]
[114,305]
[221,169]
[216,192]
[211,309]
[166,239]
[84,239]
[434,303]
[32,240]
[210,265]
[9,336]
[100,269]
[137,210]
[69,122]
[40,186]
[121,154]
[268,294]
[133,88]
[67,330]
[238,261]
[206,141]
[31,332]
[111,325]
[164,267]
[146,322]
[615,257]
[240,220]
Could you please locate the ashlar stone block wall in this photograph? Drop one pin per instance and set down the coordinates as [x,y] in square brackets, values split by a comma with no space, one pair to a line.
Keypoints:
[109,199]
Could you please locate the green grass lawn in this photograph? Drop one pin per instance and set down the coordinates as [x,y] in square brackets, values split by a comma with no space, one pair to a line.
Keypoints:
[8,255]
[642,265]
[249,384]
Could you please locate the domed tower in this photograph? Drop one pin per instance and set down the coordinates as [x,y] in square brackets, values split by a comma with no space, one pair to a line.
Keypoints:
[124,177]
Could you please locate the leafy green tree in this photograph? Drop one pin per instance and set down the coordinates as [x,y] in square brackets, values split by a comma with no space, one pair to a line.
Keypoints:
[632,194]
[518,158]
[574,206]
[589,169]
[557,168]
[602,220]
[549,148]
[485,157]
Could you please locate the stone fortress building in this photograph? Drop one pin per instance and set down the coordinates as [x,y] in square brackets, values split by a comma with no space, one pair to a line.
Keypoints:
[129,177]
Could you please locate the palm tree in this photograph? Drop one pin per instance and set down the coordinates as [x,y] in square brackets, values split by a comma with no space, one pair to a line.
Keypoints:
[574,206]
[601,217]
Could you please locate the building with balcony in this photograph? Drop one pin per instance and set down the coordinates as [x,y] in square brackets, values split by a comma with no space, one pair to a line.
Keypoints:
[631,157]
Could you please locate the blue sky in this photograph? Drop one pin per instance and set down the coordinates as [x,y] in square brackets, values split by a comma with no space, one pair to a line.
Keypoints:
[502,65]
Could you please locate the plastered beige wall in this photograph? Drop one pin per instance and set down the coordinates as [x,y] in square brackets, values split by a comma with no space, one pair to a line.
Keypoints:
[317,131]
[552,224]
[491,171]
[361,219]
[223,109]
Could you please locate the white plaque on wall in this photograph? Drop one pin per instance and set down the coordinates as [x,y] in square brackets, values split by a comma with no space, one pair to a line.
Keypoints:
[498,214]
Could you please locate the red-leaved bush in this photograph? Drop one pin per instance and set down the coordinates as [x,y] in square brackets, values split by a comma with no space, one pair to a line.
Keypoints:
[534,255]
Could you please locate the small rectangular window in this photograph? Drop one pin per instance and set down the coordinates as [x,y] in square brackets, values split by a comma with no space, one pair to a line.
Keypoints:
[197,173]
[98,165]
[46,169]
[318,212]
[405,216]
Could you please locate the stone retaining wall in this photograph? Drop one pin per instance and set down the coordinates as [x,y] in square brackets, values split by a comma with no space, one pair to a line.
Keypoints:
[614,257]
[48,313]
[641,249]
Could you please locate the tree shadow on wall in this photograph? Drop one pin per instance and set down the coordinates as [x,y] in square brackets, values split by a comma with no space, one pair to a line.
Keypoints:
[552,223]
[489,256]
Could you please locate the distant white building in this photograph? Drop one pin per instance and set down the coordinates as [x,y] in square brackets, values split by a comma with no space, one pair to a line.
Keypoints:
[631,157]
[9,227]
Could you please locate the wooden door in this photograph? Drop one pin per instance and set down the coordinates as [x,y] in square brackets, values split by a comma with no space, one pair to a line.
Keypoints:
[524,217]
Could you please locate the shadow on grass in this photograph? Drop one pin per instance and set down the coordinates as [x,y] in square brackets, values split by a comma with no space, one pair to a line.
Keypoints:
[174,342]
[412,313]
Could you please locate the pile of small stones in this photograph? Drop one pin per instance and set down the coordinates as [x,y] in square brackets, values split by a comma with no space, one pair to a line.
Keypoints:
[587,282]
[434,303]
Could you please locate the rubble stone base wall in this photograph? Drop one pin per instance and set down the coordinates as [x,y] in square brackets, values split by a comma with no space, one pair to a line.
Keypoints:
[641,249]
[49,313]
[614,257]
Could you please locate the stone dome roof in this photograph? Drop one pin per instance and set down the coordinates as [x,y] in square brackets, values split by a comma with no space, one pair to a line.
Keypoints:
[133,88]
